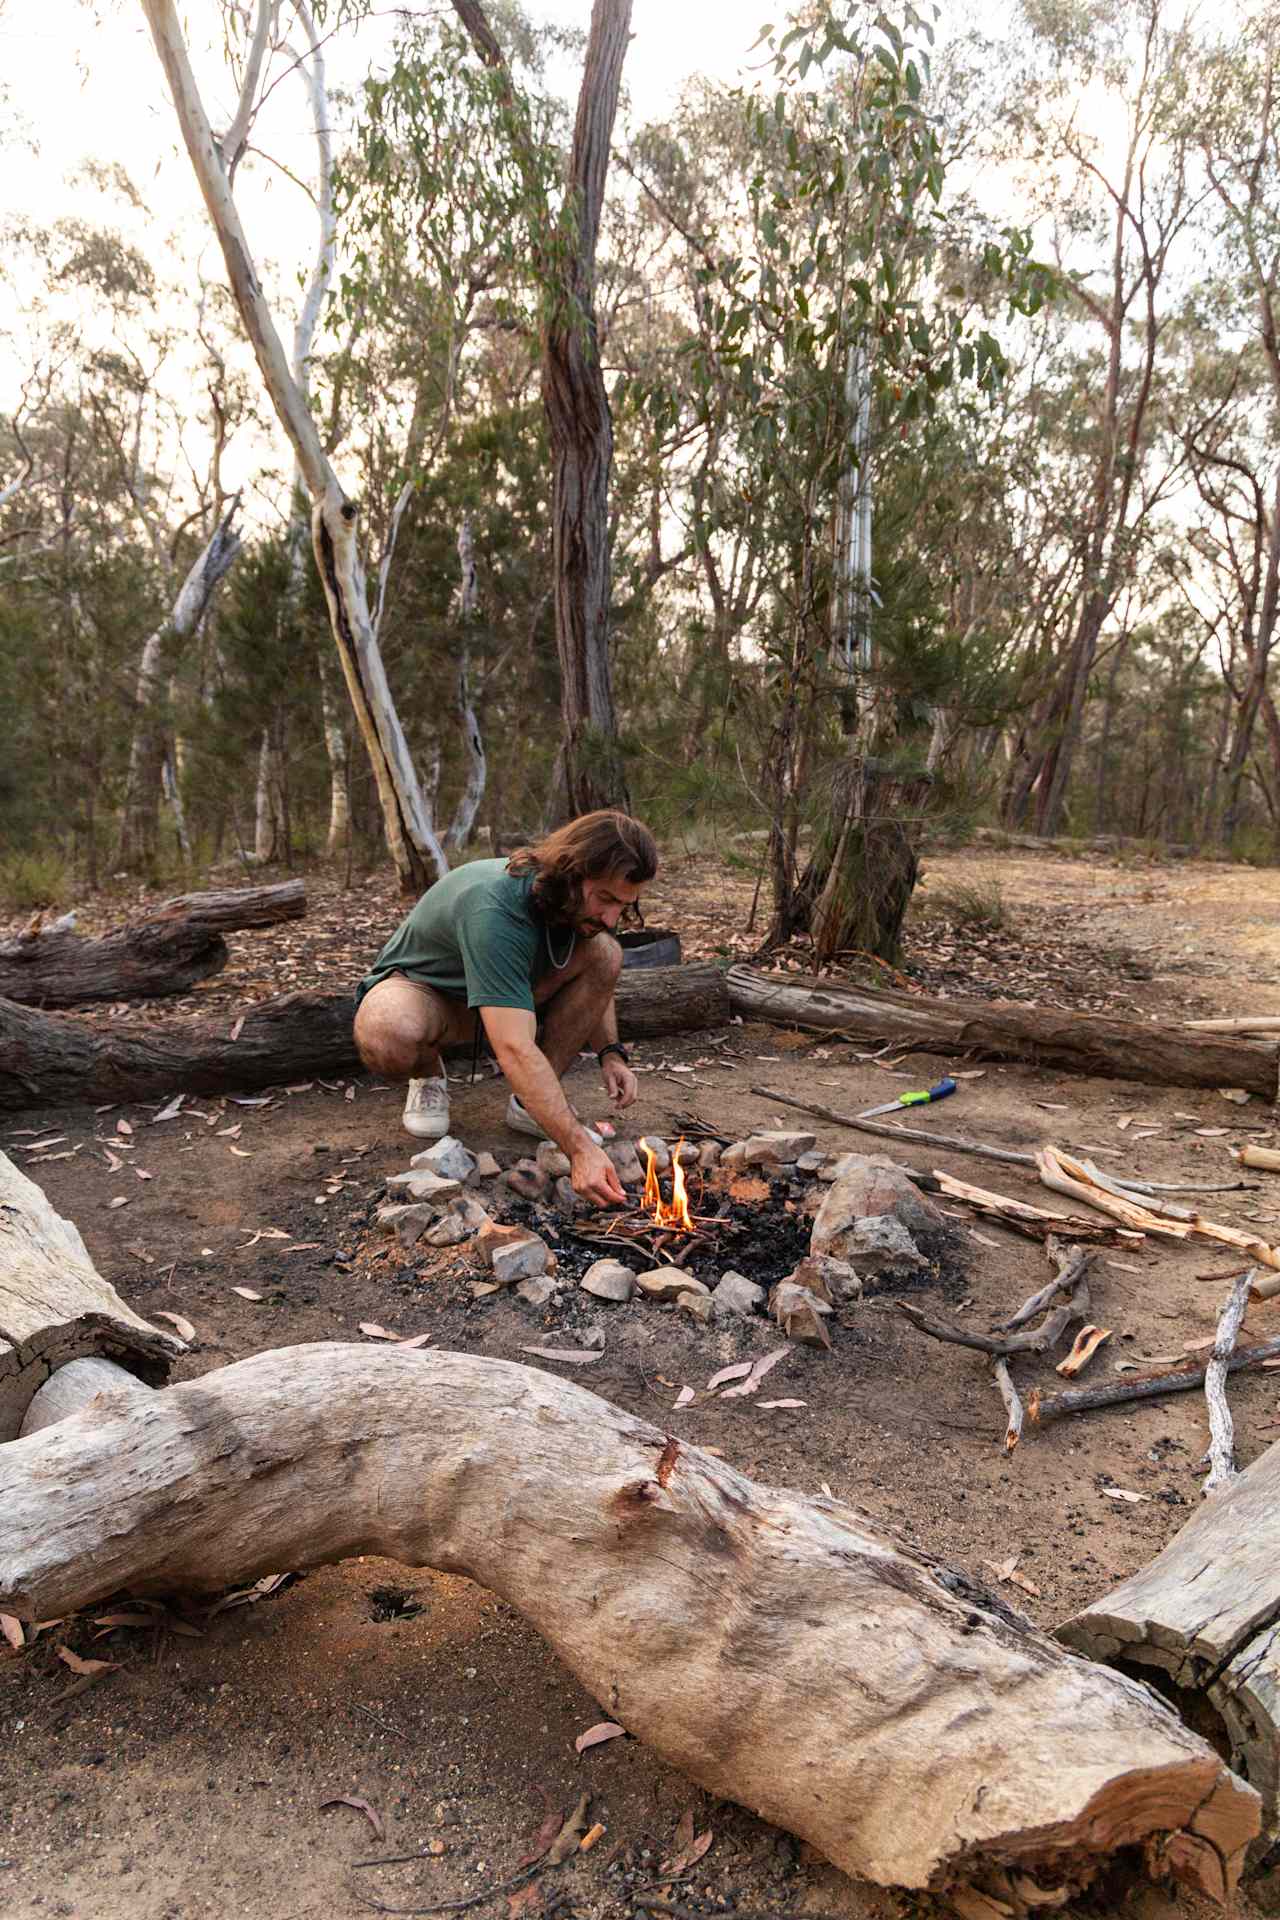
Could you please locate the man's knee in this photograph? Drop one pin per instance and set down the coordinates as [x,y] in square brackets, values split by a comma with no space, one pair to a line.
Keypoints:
[384,1046]
[604,959]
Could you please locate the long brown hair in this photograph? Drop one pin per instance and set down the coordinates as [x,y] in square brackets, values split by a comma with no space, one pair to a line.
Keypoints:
[587,848]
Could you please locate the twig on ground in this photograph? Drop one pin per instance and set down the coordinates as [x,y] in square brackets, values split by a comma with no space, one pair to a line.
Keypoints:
[386,1725]
[1074,1268]
[1149,1386]
[1013,1405]
[1222,1467]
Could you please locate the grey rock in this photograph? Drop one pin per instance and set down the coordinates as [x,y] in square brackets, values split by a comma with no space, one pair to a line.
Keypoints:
[537,1292]
[658,1148]
[688,1153]
[697,1304]
[735,1157]
[709,1155]
[526,1259]
[551,1161]
[408,1223]
[811,1162]
[568,1201]
[737,1295]
[626,1162]
[609,1280]
[800,1313]
[422,1186]
[668,1283]
[594,1339]
[447,1158]
[448,1232]
[776,1149]
[880,1244]
[864,1189]
[528,1180]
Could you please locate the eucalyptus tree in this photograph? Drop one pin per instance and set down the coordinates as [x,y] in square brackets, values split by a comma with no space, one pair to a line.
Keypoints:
[561,232]
[1232,433]
[411,838]
[1093,123]
[815,302]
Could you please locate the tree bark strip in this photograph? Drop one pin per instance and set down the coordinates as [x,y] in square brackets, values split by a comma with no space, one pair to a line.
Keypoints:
[56,1060]
[1008,1030]
[167,952]
[776,1649]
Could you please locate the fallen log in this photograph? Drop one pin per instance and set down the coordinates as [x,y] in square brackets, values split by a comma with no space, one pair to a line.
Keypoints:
[1202,1622]
[166,952]
[776,1649]
[57,1060]
[1091,1043]
[55,1306]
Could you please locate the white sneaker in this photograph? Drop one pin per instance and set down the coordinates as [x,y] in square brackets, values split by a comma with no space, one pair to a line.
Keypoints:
[520,1120]
[426,1108]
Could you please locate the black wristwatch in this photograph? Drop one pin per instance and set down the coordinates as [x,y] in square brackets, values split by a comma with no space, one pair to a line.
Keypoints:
[613,1046]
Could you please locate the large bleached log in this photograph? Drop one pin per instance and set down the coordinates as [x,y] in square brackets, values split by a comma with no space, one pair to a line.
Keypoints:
[168,951]
[55,1306]
[1202,1621]
[57,1060]
[776,1649]
[1162,1056]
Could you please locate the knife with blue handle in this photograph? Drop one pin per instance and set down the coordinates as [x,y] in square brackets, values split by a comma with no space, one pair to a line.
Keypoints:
[923,1098]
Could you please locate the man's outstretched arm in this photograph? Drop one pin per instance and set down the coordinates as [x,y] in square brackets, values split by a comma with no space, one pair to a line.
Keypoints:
[513,1035]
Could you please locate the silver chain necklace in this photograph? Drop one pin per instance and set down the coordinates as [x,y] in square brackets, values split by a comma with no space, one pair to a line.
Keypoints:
[560,965]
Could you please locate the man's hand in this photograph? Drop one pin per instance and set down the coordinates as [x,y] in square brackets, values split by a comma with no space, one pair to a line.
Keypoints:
[619,1080]
[594,1176]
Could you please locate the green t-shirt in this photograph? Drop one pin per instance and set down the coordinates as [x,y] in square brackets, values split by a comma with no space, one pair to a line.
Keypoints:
[475,935]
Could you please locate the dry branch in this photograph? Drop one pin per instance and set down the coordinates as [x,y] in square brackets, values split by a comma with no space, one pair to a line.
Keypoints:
[1013,1405]
[1143,1386]
[1008,1030]
[167,952]
[1080,1181]
[732,1626]
[1222,1468]
[1037,1223]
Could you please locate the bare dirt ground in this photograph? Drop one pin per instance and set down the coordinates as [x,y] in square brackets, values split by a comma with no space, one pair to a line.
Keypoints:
[188,1783]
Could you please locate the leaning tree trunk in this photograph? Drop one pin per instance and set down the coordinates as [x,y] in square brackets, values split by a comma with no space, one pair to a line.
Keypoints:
[418,856]
[1202,1624]
[137,842]
[166,952]
[459,830]
[776,1649]
[49,1059]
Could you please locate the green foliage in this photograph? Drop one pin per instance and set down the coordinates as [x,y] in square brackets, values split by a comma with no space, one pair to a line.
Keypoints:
[972,906]
[29,881]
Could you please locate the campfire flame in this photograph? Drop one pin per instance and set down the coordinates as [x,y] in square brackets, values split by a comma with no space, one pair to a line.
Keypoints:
[673,1212]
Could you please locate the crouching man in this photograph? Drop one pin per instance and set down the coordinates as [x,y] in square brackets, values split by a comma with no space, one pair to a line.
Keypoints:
[524,946]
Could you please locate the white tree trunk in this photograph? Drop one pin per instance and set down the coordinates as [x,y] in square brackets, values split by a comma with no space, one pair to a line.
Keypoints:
[776,1649]
[147,749]
[417,853]
[464,815]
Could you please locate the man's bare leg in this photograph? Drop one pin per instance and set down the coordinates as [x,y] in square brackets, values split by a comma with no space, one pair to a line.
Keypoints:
[400,1028]
[573,1014]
